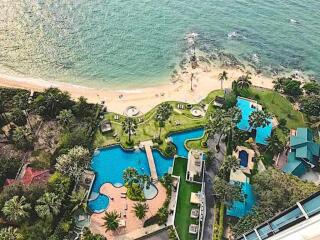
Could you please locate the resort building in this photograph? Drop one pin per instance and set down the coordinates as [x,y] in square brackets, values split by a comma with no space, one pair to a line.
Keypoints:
[245,156]
[240,209]
[247,106]
[304,152]
[30,176]
[300,222]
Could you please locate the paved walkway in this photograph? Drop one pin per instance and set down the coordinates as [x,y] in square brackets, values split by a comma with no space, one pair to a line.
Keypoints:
[147,146]
[209,177]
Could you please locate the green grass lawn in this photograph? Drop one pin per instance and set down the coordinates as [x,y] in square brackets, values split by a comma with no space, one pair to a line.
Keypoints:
[183,220]
[280,107]
[148,127]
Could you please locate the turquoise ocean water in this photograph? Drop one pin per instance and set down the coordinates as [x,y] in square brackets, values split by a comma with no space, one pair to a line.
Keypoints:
[129,43]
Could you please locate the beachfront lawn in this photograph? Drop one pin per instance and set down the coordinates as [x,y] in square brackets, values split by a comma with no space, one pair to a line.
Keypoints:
[148,127]
[182,219]
[280,107]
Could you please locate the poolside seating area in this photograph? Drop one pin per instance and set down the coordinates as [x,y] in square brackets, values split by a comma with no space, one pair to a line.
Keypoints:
[194,167]
[245,156]
[119,202]
[196,198]
[193,228]
[195,213]
[219,101]
[105,126]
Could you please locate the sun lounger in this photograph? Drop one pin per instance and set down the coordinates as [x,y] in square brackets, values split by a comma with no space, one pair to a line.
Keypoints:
[123,196]
[122,223]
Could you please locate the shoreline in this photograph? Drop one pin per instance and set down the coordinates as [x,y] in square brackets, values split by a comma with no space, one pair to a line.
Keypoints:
[205,80]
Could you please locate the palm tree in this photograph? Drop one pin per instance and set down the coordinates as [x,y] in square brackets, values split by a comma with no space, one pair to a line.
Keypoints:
[259,119]
[48,205]
[18,117]
[10,233]
[129,126]
[65,118]
[21,100]
[140,209]
[230,163]
[3,111]
[16,209]
[22,138]
[223,77]
[274,144]
[162,115]
[111,221]
[74,162]
[223,122]
[244,82]
[129,175]
[79,199]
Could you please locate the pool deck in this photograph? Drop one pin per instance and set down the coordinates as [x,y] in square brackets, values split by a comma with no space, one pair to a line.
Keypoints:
[125,206]
[251,155]
[147,145]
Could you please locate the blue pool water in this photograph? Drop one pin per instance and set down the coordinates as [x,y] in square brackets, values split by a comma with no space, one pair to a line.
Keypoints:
[240,209]
[109,164]
[243,155]
[99,204]
[262,133]
[179,140]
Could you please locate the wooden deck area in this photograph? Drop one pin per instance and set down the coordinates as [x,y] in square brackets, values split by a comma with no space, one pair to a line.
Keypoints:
[147,145]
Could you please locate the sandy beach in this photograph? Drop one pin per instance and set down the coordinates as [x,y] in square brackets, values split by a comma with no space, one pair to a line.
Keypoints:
[205,80]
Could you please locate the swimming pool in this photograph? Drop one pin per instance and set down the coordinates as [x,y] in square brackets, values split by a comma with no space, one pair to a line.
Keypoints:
[262,133]
[109,164]
[243,155]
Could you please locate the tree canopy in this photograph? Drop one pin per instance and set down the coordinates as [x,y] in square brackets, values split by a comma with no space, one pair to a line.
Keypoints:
[275,191]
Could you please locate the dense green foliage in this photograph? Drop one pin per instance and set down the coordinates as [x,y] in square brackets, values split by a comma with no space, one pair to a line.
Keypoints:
[275,191]
[43,211]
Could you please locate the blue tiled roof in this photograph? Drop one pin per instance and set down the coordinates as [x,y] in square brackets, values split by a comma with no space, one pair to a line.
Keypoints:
[304,145]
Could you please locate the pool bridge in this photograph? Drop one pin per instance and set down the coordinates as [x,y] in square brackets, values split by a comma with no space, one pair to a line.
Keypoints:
[147,145]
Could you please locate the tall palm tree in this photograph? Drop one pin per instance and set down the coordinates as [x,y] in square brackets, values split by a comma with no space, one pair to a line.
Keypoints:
[140,209]
[244,82]
[79,199]
[162,115]
[129,175]
[274,144]
[16,209]
[223,122]
[48,205]
[22,138]
[111,221]
[10,233]
[129,126]
[230,163]
[18,117]
[223,77]
[65,118]
[259,119]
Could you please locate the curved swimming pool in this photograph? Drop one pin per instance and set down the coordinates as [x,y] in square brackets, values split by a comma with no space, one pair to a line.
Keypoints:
[109,164]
